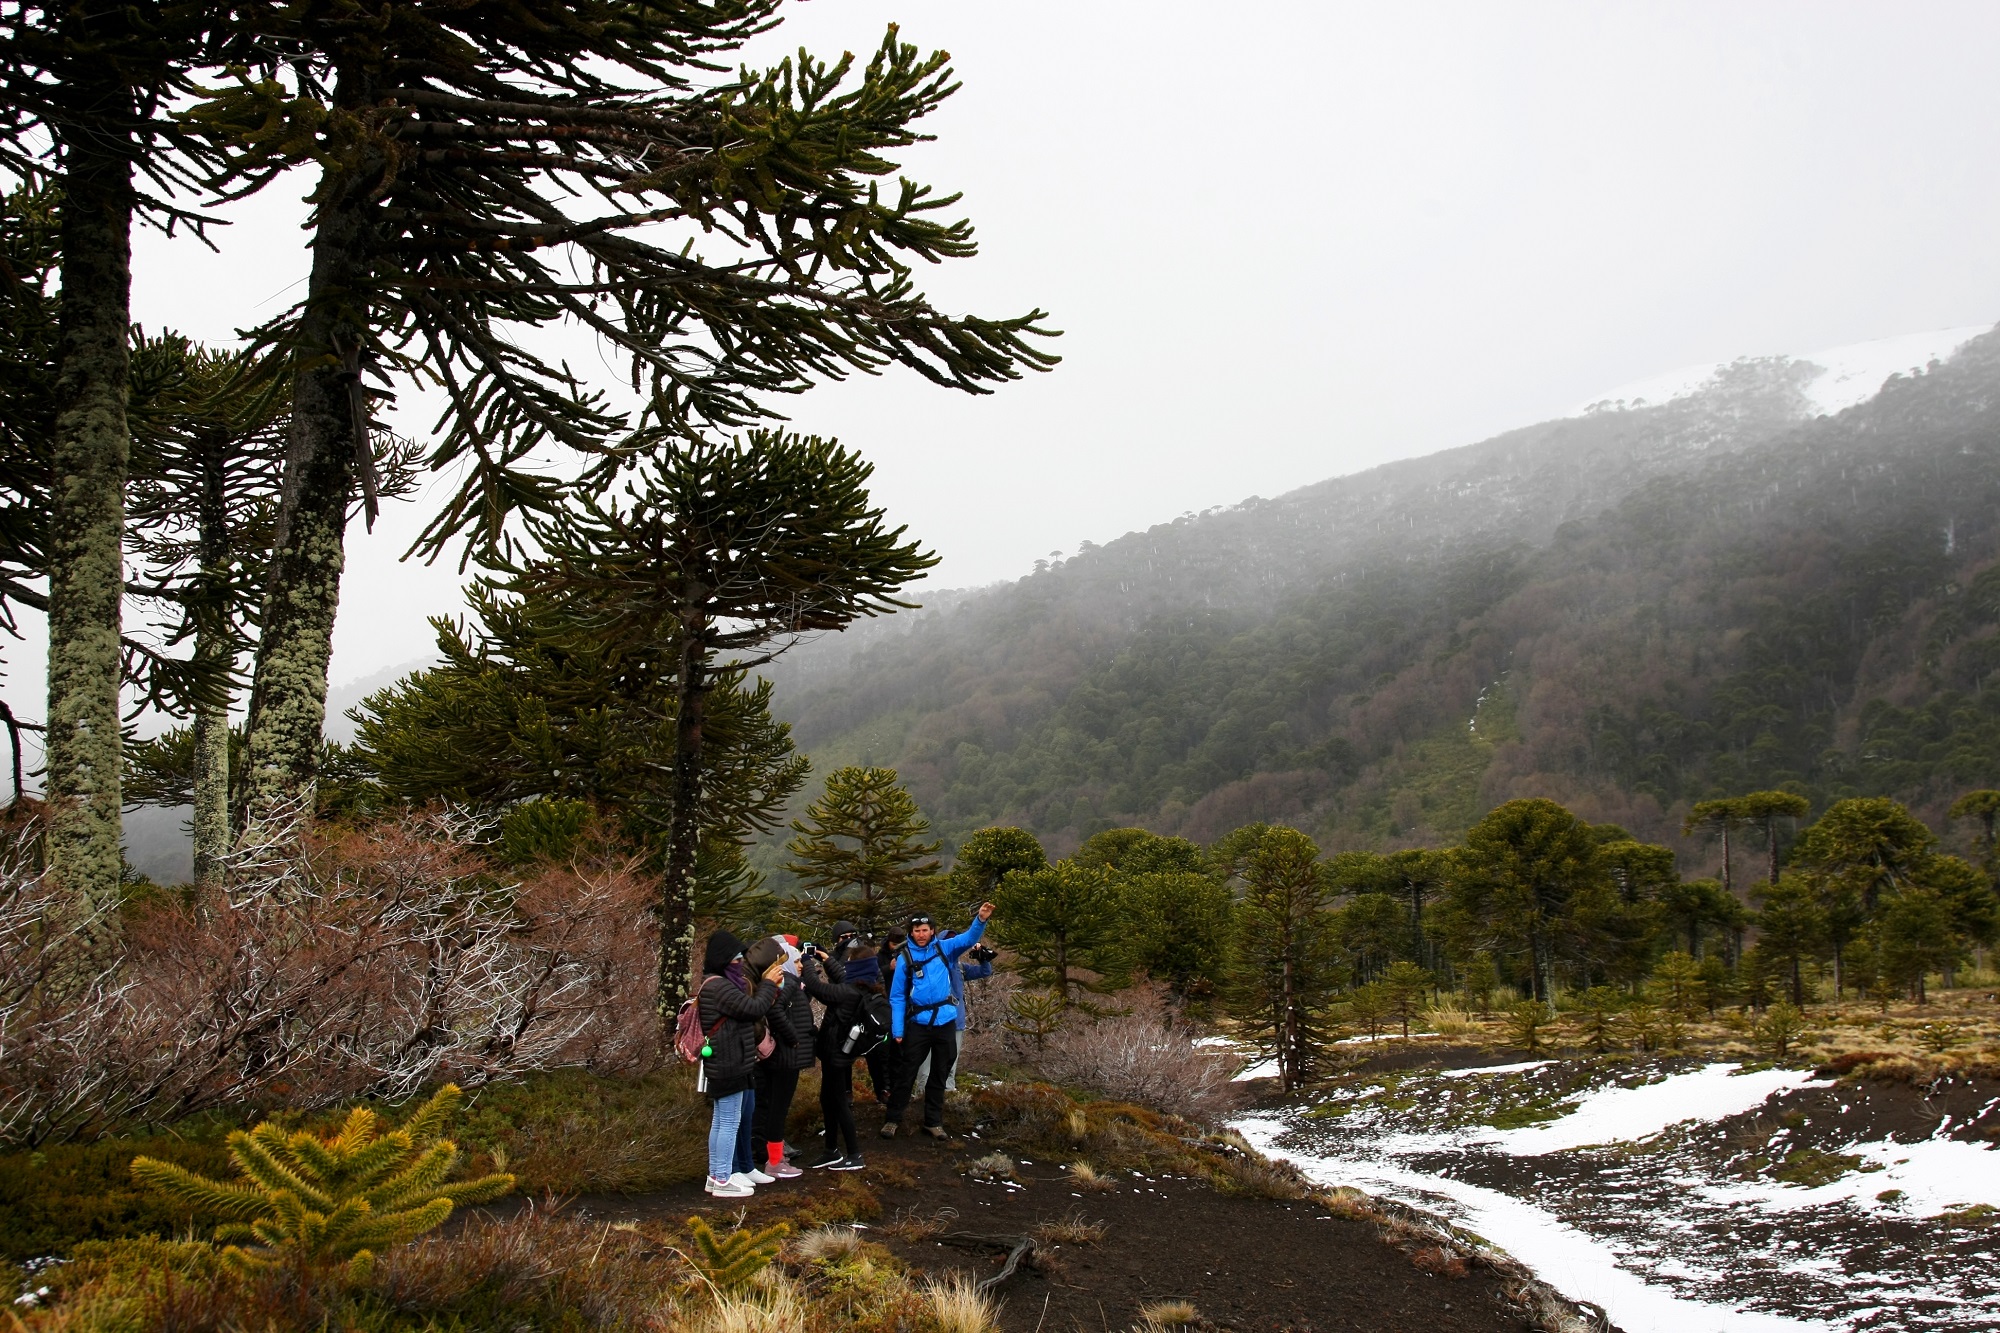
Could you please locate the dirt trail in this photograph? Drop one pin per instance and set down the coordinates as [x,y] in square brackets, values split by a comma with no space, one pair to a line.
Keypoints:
[1245,1263]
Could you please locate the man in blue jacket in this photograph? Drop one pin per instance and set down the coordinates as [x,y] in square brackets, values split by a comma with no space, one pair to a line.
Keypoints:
[923,1016]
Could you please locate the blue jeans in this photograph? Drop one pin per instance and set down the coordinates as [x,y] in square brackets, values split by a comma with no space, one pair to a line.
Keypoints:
[730,1115]
[745,1129]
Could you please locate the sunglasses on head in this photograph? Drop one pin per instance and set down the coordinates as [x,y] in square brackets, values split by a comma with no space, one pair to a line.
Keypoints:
[916,921]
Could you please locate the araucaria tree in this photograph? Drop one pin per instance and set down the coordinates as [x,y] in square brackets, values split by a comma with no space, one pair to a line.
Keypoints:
[82,89]
[1529,882]
[1064,926]
[488,169]
[861,850]
[1285,969]
[723,552]
[539,698]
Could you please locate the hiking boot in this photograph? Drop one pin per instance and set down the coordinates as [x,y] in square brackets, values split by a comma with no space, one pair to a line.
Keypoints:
[729,1189]
[889,1128]
[935,1131]
[848,1164]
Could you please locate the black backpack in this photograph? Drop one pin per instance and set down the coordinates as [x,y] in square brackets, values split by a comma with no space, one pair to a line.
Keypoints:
[873,1015]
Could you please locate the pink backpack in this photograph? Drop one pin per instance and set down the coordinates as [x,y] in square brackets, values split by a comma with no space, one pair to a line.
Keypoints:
[689,1039]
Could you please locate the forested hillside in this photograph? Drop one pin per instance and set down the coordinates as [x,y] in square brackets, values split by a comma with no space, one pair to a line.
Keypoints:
[1626,611]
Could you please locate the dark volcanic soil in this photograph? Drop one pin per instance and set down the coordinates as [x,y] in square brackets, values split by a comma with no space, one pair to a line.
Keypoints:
[1245,1263]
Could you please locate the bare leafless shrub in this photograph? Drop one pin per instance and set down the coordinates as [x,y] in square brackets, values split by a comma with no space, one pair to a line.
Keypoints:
[327,965]
[60,1005]
[1145,1056]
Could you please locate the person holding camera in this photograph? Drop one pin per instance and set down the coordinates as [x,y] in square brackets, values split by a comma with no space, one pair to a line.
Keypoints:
[844,988]
[731,1009]
[882,1060]
[925,999]
[791,1026]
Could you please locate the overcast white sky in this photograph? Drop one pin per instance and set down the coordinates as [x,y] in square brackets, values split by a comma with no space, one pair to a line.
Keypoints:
[1292,240]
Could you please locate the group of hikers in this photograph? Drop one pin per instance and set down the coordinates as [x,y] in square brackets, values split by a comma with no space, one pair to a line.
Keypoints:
[898,1007]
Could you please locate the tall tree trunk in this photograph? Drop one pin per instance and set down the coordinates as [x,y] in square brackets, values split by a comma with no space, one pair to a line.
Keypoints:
[676,905]
[1728,886]
[211,793]
[1771,832]
[1417,923]
[302,595]
[1288,1037]
[213,648]
[87,513]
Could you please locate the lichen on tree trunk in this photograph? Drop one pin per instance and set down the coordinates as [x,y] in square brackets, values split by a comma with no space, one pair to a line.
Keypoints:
[86,532]
[213,647]
[676,905]
[211,793]
[288,692]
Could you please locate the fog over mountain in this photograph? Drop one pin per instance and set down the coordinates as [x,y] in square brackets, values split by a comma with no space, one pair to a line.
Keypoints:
[1759,573]
[1700,581]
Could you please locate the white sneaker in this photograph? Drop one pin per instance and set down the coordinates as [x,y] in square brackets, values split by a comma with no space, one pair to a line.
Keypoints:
[729,1189]
[745,1181]
[760,1177]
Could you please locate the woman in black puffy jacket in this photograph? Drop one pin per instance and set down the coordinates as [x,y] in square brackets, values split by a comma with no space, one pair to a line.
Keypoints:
[731,1011]
[843,988]
[778,1073]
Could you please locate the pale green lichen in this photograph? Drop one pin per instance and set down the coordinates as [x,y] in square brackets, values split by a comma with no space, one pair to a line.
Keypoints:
[86,535]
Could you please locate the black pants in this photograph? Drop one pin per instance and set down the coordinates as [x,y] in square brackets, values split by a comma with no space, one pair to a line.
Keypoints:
[836,1105]
[774,1102]
[940,1042]
[882,1071]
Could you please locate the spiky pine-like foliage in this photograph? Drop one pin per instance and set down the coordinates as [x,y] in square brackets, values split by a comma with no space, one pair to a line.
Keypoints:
[732,1259]
[313,1203]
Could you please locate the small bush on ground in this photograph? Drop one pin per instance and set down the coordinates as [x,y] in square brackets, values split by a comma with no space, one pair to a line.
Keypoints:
[1143,1056]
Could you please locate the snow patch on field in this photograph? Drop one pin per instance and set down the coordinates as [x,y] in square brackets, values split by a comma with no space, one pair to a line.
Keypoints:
[1521,1068]
[1568,1259]
[1622,1115]
[1643,1199]
[1934,1176]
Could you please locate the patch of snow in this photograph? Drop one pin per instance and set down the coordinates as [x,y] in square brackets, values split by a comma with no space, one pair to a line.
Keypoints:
[1849,375]
[1568,1259]
[1613,1115]
[1262,1069]
[1364,1037]
[1521,1068]
[1854,374]
[1935,1176]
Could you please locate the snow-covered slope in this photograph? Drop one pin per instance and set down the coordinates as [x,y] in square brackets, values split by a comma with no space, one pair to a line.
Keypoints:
[1848,375]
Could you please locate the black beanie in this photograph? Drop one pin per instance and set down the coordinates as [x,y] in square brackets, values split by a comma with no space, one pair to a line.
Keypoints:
[720,953]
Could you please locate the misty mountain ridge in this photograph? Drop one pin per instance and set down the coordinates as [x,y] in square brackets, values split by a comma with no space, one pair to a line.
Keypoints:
[1318,656]
[1644,424]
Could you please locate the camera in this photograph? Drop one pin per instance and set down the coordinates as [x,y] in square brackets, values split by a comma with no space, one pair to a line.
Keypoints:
[983,954]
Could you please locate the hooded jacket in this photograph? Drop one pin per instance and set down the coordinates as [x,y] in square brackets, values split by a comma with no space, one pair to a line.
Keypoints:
[735,1016]
[921,990]
[791,1021]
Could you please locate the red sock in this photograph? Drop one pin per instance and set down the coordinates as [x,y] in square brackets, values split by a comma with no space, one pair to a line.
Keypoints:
[777,1148]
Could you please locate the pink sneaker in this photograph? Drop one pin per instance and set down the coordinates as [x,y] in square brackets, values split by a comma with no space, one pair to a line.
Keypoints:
[784,1171]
